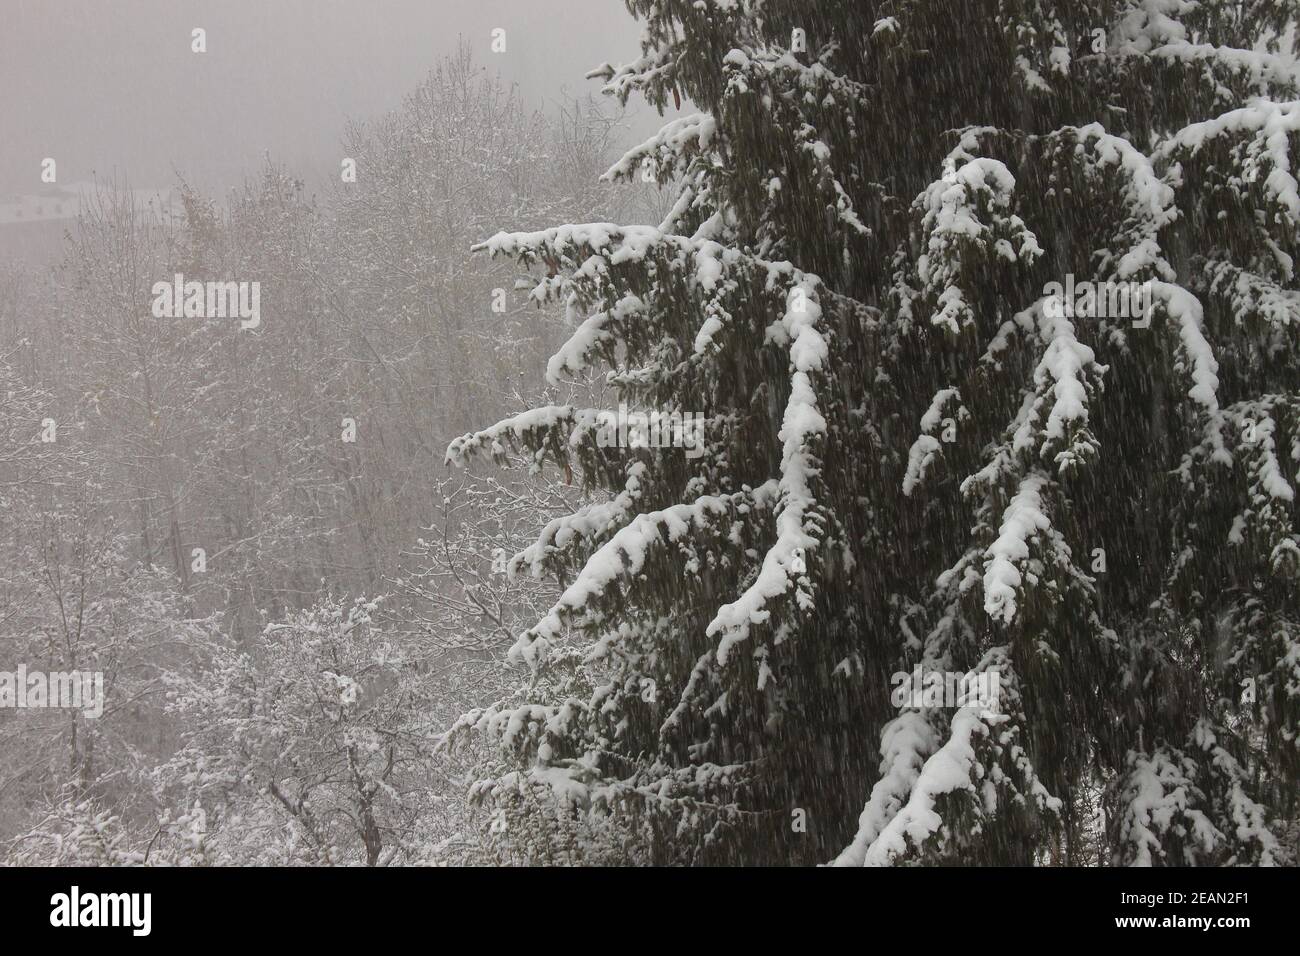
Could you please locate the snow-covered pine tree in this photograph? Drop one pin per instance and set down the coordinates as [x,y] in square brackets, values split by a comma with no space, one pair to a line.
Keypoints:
[853,285]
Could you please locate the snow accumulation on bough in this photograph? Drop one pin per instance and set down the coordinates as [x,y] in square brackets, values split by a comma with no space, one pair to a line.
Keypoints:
[803,421]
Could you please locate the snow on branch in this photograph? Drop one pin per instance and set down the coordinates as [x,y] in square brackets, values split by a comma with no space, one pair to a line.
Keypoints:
[1268,155]
[802,423]
[907,743]
[602,245]
[1250,295]
[655,68]
[1147,197]
[1154,28]
[668,148]
[947,770]
[1066,376]
[1022,521]
[926,449]
[784,70]
[954,210]
[1266,523]
[768,75]
[590,522]
[574,356]
[623,557]
[591,253]
[1188,805]
[1197,357]
[815,147]
[984,758]
[531,428]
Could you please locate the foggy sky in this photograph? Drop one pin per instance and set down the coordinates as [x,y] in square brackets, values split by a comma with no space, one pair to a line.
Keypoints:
[111,87]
